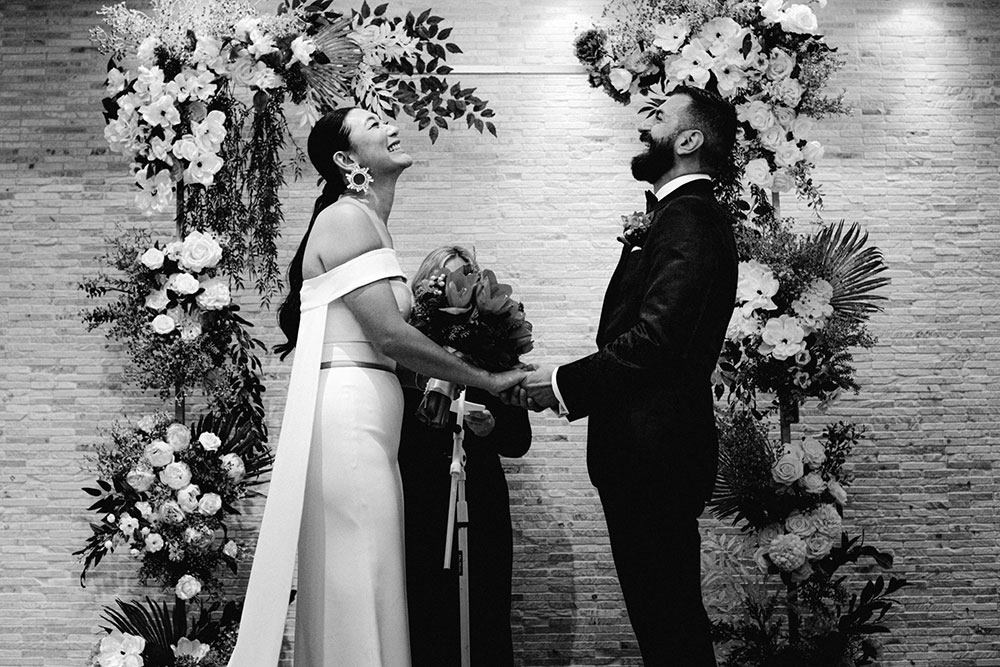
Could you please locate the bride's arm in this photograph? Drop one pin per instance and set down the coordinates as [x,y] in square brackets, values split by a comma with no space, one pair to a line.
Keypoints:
[349,234]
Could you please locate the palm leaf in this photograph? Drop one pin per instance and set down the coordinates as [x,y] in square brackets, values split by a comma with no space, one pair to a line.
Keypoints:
[851,269]
[154,623]
[332,80]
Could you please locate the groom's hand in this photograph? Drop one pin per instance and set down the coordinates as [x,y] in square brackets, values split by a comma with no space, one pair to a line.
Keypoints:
[537,389]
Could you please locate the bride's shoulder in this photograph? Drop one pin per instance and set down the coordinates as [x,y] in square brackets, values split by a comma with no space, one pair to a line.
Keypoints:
[341,233]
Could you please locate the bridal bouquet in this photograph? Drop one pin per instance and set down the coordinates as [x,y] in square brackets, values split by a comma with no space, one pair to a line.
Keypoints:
[164,492]
[802,303]
[767,57]
[473,314]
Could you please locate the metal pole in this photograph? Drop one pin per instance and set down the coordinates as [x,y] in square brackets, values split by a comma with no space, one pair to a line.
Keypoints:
[457,505]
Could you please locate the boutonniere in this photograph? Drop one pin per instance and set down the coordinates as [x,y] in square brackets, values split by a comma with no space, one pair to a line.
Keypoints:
[635,227]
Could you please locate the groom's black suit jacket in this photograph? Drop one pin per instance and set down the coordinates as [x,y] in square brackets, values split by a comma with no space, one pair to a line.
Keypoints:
[647,391]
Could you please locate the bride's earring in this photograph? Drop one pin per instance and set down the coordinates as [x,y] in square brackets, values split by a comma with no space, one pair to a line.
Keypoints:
[358,179]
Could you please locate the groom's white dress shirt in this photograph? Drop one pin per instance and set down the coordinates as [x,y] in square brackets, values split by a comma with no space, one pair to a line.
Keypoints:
[665,190]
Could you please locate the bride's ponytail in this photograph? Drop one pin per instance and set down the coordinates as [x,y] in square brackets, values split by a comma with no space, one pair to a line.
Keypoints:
[328,136]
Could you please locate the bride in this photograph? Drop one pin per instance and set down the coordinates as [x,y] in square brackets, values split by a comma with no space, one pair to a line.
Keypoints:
[335,488]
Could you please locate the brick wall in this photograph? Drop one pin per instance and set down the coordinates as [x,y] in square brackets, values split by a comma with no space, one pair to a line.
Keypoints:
[916,162]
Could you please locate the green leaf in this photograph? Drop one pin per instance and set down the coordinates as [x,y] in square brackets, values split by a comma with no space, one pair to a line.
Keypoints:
[423,15]
[453,48]
[380,10]
[492,128]
[433,134]
[444,33]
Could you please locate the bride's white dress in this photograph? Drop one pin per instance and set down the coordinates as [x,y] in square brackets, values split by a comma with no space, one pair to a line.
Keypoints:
[336,468]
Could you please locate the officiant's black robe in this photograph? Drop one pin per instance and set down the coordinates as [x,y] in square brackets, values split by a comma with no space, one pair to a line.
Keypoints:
[652,446]
[432,592]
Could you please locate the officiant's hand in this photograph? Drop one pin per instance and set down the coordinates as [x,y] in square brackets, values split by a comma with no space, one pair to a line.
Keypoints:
[480,422]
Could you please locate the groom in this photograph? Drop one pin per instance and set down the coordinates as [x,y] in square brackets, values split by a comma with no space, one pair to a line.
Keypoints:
[651,439]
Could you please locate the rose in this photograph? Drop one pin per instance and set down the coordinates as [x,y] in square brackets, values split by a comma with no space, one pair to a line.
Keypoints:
[154,542]
[770,10]
[199,538]
[242,71]
[788,91]
[215,295]
[157,299]
[147,424]
[209,504]
[145,510]
[813,152]
[209,441]
[183,283]
[780,65]
[128,525]
[152,259]
[785,116]
[773,137]
[230,549]
[140,479]
[179,436]
[620,79]
[176,475]
[802,126]
[233,465]
[758,172]
[757,114]
[800,524]
[837,491]
[800,19]
[787,469]
[827,519]
[813,452]
[788,552]
[159,453]
[163,324]
[170,512]
[187,497]
[173,249]
[786,154]
[818,546]
[200,251]
[187,587]
[768,533]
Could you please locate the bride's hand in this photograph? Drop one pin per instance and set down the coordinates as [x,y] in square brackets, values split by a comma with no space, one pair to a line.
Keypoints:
[500,382]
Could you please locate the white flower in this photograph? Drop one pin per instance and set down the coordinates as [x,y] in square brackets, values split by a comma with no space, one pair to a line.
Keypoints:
[813,452]
[803,126]
[210,132]
[200,251]
[800,524]
[813,483]
[718,34]
[780,65]
[170,512]
[789,91]
[242,71]
[215,295]
[818,545]
[190,329]
[186,148]
[782,337]
[140,478]
[176,475]
[729,78]
[768,533]
[773,136]
[122,135]
[230,549]
[187,497]
[758,172]
[157,299]
[162,112]
[152,258]
[755,286]
[209,504]
[785,116]
[183,283]
[178,436]
[234,467]
[158,453]
[209,441]
[207,50]
[787,469]
[261,43]
[771,10]
[265,78]
[302,49]
[197,85]
[203,169]
[116,82]
[147,50]
[742,326]
[827,519]
[800,19]
[145,511]
[121,650]
[187,587]
[620,78]
[812,152]
[757,114]
[786,154]
[154,542]
[128,525]
[837,491]
[163,324]
[186,647]
[693,65]
[788,552]
[670,36]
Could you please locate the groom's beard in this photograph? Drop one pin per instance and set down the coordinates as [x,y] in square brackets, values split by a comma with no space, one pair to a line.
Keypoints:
[656,161]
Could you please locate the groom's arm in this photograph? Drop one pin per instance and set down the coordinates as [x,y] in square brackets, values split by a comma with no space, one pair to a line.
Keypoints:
[683,255]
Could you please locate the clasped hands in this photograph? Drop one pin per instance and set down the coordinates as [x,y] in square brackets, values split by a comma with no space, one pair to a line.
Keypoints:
[534,392]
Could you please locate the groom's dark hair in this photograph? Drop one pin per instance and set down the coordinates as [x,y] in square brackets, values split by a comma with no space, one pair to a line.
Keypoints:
[716,118]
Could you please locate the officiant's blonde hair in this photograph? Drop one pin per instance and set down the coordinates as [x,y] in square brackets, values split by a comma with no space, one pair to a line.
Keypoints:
[437,258]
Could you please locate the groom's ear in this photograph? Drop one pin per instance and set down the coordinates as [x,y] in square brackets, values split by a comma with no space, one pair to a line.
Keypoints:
[344,161]
[689,142]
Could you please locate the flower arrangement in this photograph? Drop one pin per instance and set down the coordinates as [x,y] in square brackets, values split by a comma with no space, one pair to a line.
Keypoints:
[164,492]
[802,304]
[176,315]
[765,56]
[471,313]
[635,227]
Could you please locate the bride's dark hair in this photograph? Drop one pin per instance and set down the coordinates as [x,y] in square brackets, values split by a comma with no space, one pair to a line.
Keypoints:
[328,136]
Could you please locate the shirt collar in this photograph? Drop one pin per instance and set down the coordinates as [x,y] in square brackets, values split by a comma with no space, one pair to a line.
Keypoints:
[675,183]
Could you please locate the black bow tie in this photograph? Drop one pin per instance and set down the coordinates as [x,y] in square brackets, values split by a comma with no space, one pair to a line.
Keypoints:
[651,201]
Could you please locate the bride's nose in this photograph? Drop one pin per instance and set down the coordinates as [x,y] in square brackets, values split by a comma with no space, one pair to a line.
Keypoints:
[391,130]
